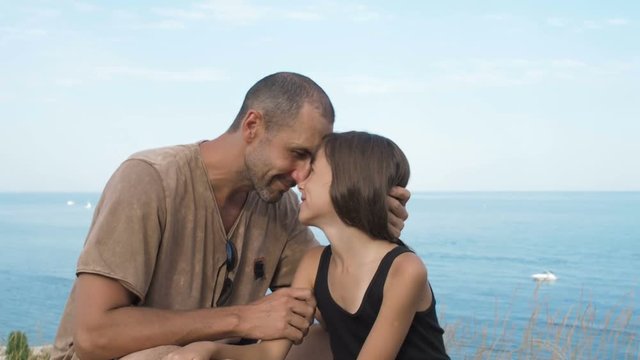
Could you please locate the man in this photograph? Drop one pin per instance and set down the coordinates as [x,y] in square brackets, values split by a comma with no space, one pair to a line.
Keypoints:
[186,240]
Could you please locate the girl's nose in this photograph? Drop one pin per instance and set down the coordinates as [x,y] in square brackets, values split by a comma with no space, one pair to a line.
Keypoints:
[301,184]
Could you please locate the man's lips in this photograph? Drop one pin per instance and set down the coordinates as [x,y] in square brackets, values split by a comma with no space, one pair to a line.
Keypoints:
[286,184]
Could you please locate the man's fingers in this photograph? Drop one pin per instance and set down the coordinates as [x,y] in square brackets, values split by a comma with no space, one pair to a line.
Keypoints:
[286,313]
[294,334]
[396,201]
[302,312]
[301,302]
[395,226]
[396,208]
[400,193]
[297,293]
[303,309]
[299,322]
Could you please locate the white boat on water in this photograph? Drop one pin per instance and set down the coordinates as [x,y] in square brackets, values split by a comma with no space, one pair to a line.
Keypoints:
[88,206]
[545,276]
[71,203]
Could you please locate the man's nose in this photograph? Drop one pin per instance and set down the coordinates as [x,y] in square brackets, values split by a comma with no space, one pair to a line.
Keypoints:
[301,172]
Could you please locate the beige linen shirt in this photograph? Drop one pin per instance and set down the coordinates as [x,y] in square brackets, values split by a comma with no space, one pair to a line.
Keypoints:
[158,231]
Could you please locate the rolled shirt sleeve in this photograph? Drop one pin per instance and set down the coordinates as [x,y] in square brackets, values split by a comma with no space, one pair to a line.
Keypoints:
[127,226]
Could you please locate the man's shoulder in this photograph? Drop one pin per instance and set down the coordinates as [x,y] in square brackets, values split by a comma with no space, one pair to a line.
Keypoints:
[166,155]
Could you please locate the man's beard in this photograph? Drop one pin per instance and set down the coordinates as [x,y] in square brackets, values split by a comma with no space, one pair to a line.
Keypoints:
[254,163]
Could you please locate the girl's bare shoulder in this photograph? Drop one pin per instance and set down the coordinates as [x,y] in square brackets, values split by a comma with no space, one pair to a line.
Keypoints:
[408,267]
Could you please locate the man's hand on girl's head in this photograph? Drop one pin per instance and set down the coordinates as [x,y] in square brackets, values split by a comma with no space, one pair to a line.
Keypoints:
[396,201]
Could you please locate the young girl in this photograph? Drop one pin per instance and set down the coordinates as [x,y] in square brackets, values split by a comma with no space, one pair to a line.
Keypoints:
[372,292]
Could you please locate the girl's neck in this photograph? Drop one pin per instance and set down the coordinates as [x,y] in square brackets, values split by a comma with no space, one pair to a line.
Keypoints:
[352,246]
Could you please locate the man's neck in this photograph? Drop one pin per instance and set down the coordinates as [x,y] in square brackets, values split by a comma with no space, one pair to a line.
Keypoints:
[223,159]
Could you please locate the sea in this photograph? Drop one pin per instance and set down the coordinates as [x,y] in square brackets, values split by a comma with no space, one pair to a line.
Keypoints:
[480,248]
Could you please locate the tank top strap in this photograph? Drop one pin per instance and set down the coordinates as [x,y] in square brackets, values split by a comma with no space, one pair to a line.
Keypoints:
[385,264]
[321,284]
[377,282]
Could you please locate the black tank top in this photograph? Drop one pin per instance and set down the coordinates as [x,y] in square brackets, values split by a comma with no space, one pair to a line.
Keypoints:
[348,332]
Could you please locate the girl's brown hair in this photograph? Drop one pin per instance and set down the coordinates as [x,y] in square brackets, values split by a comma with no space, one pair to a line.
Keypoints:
[364,168]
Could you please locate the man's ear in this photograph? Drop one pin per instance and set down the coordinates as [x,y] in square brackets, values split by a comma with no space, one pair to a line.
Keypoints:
[252,126]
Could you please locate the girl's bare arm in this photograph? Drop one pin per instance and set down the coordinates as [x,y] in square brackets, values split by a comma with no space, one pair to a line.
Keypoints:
[403,295]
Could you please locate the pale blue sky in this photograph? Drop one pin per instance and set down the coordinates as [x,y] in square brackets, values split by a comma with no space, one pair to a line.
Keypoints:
[481,95]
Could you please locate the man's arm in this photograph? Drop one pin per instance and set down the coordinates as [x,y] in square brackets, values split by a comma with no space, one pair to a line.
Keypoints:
[266,350]
[107,325]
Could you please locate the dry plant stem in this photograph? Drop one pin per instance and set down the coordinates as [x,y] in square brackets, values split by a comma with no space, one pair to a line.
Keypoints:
[577,333]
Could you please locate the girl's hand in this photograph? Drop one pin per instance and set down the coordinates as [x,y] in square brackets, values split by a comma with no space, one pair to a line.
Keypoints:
[201,350]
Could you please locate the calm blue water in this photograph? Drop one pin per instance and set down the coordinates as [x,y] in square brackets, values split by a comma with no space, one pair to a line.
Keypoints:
[480,250]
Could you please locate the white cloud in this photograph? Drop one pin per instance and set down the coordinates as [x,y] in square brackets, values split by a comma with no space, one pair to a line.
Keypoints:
[68,82]
[107,73]
[169,24]
[234,11]
[505,72]
[568,64]
[589,24]
[371,85]
[241,12]
[85,7]
[303,15]
[484,73]
[557,22]
[238,12]
[362,13]
[123,15]
[181,14]
[497,17]
[521,72]
[194,75]
[39,13]
[22,32]
[618,22]
[486,79]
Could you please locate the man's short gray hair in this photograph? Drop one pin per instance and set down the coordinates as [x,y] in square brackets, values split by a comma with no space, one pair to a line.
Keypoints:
[280,96]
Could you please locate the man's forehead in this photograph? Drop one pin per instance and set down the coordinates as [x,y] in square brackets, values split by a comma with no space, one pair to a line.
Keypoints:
[306,136]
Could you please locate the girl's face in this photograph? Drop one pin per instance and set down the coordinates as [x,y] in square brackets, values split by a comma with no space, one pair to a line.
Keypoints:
[316,207]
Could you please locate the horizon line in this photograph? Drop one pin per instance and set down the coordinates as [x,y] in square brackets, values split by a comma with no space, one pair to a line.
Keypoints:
[412,191]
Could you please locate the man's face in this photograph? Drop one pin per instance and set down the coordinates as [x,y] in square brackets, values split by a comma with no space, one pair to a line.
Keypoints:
[280,160]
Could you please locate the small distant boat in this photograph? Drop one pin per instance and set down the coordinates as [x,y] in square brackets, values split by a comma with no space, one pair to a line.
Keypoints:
[545,276]
[88,206]
[71,202]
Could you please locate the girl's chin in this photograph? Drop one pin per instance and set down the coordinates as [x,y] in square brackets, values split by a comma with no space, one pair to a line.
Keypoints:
[303,220]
